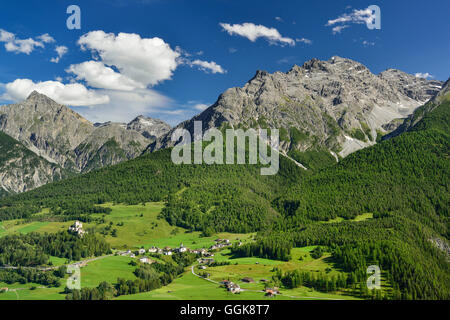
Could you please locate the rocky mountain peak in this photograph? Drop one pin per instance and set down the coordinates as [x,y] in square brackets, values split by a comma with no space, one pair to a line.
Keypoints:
[414,87]
[62,136]
[337,104]
[35,95]
[149,127]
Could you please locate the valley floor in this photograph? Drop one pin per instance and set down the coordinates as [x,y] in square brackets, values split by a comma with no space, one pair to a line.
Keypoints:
[140,227]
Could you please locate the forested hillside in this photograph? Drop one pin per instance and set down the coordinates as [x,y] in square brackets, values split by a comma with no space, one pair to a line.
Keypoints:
[404,183]
[204,197]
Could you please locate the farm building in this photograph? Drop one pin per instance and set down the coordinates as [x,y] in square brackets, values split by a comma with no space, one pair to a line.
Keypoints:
[145,260]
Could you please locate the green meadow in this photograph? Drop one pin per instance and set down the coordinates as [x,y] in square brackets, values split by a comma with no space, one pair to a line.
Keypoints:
[107,269]
[361,217]
[140,226]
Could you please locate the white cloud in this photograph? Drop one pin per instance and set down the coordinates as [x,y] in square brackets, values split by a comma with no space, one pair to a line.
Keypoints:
[6,36]
[361,16]
[425,75]
[185,59]
[338,29]
[73,94]
[26,46]
[208,66]
[303,40]
[137,102]
[232,50]
[97,75]
[253,32]
[200,106]
[148,61]
[23,46]
[279,19]
[61,51]
[46,38]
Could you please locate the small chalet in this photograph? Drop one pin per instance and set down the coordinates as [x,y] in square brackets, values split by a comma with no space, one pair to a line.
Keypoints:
[248,280]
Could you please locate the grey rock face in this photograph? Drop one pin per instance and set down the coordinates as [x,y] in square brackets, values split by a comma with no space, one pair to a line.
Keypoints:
[409,122]
[336,104]
[49,129]
[63,137]
[416,88]
[22,170]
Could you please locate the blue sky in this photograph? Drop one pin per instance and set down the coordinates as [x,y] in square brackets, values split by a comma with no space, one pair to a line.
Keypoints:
[203,48]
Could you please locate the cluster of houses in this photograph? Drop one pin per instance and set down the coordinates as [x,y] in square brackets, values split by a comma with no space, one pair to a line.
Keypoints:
[167,251]
[221,243]
[77,228]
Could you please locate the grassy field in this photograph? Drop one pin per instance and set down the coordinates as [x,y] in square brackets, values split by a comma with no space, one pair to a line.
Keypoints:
[18,291]
[107,269]
[360,217]
[258,268]
[57,261]
[139,226]
[190,287]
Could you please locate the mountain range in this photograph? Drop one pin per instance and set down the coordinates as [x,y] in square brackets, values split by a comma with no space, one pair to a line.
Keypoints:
[337,105]
[325,110]
[60,138]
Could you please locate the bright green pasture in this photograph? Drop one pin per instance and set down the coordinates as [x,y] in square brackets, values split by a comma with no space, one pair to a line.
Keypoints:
[107,269]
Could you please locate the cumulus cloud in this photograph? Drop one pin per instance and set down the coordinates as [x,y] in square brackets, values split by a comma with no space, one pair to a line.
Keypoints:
[357,16]
[73,94]
[97,75]
[26,46]
[425,75]
[61,51]
[208,66]
[138,102]
[148,61]
[23,46]
[115,85]
[253,32]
